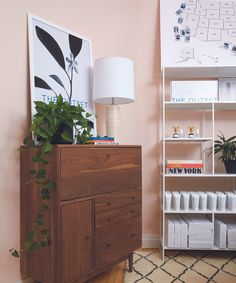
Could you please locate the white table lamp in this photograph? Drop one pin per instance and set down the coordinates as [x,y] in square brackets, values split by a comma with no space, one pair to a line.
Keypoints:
[113,84]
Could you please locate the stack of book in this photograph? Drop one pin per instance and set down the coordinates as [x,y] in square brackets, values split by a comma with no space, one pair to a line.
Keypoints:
[176,232]
[225,233]
[200,231]
[231,233]
[220,234]
[102,140]
[184,167]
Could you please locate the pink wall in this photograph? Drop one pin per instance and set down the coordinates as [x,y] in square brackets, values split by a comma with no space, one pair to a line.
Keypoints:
[117,28]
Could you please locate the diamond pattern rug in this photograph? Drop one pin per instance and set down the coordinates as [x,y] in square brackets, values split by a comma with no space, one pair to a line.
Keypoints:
[183,267]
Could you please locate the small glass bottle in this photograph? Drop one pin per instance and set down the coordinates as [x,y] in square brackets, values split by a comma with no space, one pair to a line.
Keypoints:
[197,133]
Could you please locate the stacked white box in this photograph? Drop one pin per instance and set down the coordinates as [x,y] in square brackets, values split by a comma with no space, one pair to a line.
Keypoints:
[184,232]
[169,231]
[200,230]
[220,234]
[176,232]
[231,234]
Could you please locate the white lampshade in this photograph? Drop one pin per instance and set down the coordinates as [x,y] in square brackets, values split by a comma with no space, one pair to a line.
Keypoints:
[113,81]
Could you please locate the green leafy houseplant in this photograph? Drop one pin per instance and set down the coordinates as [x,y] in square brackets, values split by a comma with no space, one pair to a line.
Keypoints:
[226,151]
[53,122]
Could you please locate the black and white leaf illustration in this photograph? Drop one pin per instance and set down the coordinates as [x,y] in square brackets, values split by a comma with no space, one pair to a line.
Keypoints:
[57,79]
[75,44]
[52,46]
[38,82]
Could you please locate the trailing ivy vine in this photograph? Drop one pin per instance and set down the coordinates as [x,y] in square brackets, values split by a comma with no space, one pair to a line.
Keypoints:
[46,124]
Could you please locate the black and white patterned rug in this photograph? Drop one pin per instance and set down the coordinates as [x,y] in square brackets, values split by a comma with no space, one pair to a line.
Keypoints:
[183,267]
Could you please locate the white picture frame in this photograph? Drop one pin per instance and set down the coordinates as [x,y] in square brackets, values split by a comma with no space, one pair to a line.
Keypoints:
[60,63]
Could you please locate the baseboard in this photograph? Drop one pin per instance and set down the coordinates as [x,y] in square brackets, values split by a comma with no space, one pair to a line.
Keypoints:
[151,241]
[28,280]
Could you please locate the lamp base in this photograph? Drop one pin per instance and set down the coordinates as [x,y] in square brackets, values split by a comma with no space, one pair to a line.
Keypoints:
[113,121]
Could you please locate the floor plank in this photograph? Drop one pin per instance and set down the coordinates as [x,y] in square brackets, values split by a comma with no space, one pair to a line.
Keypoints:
[114,275]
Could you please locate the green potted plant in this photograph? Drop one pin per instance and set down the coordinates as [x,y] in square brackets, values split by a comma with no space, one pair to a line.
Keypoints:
[226,151]
[53,123]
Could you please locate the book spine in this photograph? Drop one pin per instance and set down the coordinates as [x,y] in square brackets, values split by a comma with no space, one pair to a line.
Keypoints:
[106,143]
[200,165]
[101,138]
[184,161]
[184,171]
[93,141]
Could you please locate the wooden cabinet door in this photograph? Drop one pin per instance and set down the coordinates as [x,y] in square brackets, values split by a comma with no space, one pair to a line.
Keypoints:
[76,239]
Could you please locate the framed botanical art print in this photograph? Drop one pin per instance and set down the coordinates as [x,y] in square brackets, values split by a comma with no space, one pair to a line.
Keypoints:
[60,63]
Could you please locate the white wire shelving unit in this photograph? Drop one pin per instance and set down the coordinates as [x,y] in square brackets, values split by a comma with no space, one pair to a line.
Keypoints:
[196,73]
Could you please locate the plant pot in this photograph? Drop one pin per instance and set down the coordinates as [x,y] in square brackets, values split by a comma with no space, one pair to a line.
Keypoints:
[230,166]
[57,138]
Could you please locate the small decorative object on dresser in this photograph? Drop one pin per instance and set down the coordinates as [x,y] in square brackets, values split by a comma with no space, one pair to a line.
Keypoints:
[95,215]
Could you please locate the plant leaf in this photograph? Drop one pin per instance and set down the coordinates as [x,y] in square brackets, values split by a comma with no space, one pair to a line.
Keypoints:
[30,236]
[28,141]
[14,252]
[52,46]
[57,79]
[43,207]
[39,220]
[75,44]
[29,246]
[52,185]
[44,242]
[41,173]
[45,232]
[38,82]
[66,136]
[47,147]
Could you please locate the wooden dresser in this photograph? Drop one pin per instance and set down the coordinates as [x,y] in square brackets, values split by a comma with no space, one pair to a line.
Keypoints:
[95,217]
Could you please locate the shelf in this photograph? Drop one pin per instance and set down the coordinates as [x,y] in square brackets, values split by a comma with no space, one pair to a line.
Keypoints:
[225,105]
[206,113]
[187,140]
[219,105]
[169,105]
[189,211]
[208,211]
[199,72]
[200,249]
[200,175]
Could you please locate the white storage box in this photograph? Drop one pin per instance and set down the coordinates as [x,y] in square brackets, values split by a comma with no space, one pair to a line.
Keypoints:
[220,234]
[194,91]
[227,89]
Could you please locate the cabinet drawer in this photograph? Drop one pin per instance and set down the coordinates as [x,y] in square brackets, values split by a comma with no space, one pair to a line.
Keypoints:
[117,215]
[95,170]
[116,241]
[117,200]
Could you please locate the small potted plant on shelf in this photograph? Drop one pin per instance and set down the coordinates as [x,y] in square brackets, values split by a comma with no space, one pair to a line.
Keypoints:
[53,123]
[226,151]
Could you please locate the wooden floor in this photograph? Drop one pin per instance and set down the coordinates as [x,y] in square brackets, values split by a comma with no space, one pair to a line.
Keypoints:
[114,275]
